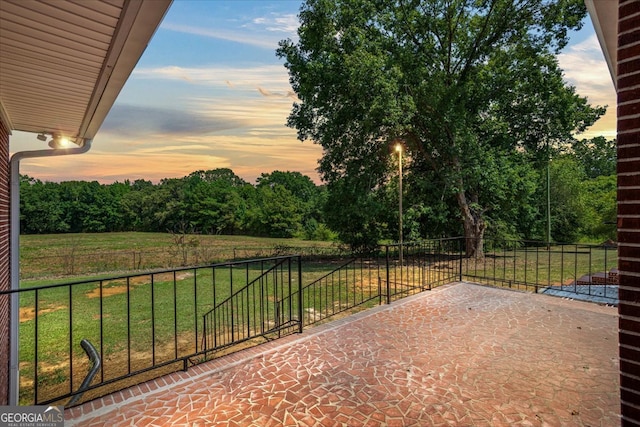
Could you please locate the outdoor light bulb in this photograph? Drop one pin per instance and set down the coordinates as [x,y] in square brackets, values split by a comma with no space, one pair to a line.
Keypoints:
[398,148]
[59,142]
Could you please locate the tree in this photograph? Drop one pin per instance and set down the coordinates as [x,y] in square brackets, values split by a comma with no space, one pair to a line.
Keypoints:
[461,83]
[215,204]
[568,209]
[277,213]
[310,199]
[300,185]
[359,216]
[600,205]
[225,175]
[597,156]
[41,210]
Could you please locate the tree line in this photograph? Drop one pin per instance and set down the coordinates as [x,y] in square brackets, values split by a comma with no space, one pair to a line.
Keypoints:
[280,204]
[289,204]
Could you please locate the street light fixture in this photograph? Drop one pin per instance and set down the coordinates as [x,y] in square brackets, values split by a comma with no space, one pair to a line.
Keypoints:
[399,150]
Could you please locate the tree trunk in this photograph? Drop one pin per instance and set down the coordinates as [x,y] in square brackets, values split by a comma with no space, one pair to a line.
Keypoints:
[474,225]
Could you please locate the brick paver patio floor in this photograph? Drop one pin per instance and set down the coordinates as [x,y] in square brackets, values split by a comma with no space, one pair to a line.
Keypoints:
[460,355]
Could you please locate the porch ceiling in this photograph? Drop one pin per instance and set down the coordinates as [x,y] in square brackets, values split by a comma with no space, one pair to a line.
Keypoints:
[63,63]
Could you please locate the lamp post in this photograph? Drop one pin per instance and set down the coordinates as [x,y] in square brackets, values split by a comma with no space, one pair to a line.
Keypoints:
[399,150]
[548,199]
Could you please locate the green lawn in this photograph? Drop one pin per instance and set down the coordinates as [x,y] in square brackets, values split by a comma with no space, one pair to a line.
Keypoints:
[65,255]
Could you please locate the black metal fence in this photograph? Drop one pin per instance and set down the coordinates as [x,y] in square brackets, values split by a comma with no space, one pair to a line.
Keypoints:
[261,308]
[147,324]
[568,270]
[142,325]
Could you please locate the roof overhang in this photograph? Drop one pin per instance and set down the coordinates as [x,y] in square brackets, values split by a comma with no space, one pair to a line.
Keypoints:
[63,63]
[604,15]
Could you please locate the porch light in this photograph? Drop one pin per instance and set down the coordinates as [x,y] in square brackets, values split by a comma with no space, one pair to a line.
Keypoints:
[60,142]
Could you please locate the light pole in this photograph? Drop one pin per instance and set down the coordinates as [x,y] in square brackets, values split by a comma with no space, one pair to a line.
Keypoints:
[548,199]
[399,150]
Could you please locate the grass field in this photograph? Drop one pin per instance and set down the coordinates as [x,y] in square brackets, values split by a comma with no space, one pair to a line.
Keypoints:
[557,266]
[63,255]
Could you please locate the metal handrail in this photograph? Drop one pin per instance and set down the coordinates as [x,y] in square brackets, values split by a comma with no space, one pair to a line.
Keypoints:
[94,360]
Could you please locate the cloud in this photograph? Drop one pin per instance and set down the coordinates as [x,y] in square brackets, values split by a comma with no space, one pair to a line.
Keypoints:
[265,92]
[263,32]
[106,167]
[269,94]
[242,37]
[585,68]
[256,112]
[158,156]
[287,23]
[137,120]
[220,76]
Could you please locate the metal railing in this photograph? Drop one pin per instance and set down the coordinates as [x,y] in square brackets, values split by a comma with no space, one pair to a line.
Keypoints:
[568,270]
[352,284]
[261,308]
[147,324]
[381,278]
[142,325]
[424,265]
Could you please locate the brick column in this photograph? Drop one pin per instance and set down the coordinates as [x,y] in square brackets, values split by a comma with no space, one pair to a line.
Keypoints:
[5,277]
[628,81]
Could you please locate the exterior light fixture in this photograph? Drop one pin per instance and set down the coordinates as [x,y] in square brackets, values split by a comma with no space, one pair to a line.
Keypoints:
[60,142]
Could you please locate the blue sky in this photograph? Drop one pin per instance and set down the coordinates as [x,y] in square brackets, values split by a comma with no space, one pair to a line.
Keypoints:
[209,92]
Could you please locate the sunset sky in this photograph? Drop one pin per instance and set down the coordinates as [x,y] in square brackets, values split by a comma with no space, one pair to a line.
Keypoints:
[210,93]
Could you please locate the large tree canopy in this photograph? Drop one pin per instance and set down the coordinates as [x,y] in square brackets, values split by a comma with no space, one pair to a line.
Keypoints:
[466,85]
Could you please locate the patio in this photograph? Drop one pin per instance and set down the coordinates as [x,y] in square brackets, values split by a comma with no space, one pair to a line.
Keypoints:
[459,355]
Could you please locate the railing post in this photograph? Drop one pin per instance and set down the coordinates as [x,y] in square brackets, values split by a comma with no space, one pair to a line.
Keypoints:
[460,251]
[300,299]
[233,334]
[388,281]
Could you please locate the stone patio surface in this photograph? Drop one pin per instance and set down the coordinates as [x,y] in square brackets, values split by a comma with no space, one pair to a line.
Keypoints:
[459,355]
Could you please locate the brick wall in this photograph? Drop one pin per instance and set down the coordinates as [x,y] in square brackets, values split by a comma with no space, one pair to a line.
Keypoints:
[5,278]
[629,207]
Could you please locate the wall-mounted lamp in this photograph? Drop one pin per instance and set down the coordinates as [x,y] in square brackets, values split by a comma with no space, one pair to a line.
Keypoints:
[58,141]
